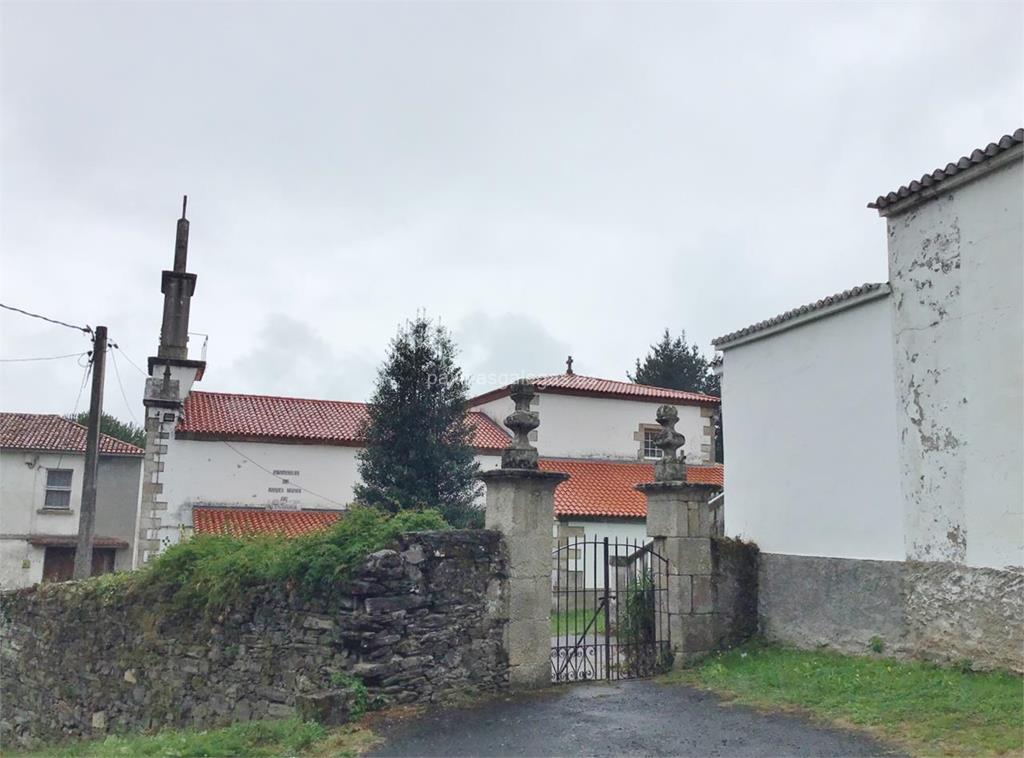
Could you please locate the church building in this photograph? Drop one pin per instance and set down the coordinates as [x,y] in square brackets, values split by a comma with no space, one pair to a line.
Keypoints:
[243,463]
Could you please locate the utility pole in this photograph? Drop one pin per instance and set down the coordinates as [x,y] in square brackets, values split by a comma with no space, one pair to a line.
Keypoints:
[87,514]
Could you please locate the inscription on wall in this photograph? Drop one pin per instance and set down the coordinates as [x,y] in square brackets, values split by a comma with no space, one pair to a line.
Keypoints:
[285,488]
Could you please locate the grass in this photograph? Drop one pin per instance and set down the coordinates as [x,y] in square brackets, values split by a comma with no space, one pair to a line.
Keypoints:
[255,739]
[922,707]
[575,621]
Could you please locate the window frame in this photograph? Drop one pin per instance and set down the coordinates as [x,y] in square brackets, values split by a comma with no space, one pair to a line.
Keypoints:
[650,435]
[58,488]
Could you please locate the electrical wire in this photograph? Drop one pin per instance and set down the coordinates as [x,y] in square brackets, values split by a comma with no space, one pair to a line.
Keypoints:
[47,358]
[124,395]
[86,329]
[130,361]
[281,479]
[74,410]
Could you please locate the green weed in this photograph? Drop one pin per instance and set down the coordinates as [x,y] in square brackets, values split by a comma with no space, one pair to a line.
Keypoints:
[928,709]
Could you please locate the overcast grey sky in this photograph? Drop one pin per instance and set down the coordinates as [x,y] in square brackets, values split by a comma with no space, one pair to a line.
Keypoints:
[544,178]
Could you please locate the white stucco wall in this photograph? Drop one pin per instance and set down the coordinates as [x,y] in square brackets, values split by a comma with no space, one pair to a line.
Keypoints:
[811,419]
[21,564]
[23,488]
[23,493]
[626,533]
[574,426]
[213,473]
[957,271]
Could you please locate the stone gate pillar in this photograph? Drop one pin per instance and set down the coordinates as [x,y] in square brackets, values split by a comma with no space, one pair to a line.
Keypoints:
[682,523]
[521,505]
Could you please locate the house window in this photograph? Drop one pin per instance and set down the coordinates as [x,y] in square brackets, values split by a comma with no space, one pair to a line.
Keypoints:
[58,488]
[650,438]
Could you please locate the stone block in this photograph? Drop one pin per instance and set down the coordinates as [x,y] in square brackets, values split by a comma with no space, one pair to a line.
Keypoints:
[389,604]
[701,520]
[688,555]
[666,517]
[703,595]
[699,633]
[679,593]
[328,707]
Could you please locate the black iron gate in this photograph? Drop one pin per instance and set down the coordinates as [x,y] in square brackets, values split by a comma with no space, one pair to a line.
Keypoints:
[609,610]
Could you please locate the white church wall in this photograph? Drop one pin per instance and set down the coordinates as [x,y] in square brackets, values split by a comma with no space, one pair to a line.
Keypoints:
[216,473]
[811,438]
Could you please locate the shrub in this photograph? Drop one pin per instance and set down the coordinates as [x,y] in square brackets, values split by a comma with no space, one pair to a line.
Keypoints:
[360,697]
[637,631]
[209,573]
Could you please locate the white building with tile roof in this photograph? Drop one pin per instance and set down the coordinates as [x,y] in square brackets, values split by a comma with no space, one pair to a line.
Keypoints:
[876,437]
[42,462]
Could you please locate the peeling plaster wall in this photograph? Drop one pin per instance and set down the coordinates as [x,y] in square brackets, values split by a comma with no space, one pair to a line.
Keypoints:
[956,268]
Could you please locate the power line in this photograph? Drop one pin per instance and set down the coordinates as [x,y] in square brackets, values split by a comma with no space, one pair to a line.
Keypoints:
[58,322]
[282,479]
[74,410]
[130,361]
[46,358]
[124,395]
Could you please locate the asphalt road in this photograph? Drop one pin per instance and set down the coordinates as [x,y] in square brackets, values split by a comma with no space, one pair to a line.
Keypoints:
[625,718]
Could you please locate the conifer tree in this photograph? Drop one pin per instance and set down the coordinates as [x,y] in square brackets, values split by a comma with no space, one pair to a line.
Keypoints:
[676,364]
[114,427]
[419,451]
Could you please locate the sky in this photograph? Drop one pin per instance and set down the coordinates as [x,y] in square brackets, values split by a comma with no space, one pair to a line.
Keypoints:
[544,179]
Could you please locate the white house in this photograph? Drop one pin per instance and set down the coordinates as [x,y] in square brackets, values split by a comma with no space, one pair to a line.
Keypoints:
[42,460]
[875,436]
[234,462]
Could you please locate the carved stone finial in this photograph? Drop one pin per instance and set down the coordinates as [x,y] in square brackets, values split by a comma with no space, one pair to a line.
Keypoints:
[520,453]
[568,365]
[672,465]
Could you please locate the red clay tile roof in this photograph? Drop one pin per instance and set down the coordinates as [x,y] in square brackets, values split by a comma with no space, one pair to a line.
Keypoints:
[606,488]
[219,415]
[589,386]
[939,175]
[50,432]
[244,522]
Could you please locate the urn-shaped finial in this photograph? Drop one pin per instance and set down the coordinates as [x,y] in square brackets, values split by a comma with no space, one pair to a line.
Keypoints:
[672,466]
[520,453]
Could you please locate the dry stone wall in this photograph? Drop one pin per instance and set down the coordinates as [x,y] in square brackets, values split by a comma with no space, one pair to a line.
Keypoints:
[418,623]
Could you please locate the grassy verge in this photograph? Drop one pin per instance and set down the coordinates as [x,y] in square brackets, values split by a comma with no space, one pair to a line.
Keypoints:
[924,708]
[574,622]
[256,739]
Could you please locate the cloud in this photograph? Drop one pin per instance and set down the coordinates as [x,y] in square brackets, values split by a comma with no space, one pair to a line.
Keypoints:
[548,178]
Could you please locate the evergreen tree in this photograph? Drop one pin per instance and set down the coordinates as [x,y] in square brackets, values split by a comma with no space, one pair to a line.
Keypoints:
[419,442]
[678,365]
[112,427]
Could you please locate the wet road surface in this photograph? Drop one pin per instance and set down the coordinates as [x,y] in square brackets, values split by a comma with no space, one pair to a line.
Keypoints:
[623,718]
